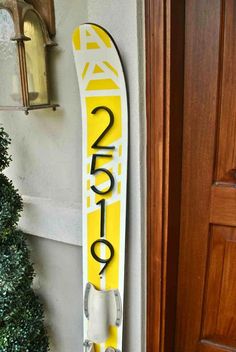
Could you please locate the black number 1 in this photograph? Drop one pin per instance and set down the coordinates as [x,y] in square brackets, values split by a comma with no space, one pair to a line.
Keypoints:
[102,221]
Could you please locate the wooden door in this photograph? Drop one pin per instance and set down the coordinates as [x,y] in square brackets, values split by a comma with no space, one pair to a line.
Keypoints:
[206,304]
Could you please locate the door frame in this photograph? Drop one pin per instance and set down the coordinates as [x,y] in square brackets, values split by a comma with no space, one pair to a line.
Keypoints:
[164,22]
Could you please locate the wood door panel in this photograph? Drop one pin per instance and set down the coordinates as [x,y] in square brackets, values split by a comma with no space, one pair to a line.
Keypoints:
[223,205]
[226,320]
[210,346]
[226,159]
[219,322]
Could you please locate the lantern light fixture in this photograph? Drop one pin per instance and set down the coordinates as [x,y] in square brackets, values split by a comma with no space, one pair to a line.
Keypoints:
[27,28]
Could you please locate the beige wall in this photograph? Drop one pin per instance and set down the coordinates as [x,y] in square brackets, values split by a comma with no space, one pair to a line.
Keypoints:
[46,168]
[59,269]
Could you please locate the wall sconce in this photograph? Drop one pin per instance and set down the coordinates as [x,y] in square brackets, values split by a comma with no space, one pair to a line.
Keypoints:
[26,32]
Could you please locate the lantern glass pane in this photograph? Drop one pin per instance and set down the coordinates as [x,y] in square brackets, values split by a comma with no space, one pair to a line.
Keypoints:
[10,87]
[35,60]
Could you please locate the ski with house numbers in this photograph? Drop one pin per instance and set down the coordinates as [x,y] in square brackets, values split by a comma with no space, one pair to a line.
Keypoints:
[104,108]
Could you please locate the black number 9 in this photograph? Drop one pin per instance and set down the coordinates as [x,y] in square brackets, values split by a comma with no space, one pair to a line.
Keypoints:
[101,260]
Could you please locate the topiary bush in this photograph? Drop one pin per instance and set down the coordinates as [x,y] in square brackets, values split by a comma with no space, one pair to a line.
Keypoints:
[21,313]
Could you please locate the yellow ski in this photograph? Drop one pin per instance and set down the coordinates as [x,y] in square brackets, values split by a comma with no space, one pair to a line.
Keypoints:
[105,152]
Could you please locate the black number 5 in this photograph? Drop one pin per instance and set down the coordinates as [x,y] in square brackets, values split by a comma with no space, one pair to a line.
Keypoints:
[111,123]
[94,171]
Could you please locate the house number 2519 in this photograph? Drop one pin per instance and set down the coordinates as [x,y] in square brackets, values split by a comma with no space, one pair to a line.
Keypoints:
[93,171]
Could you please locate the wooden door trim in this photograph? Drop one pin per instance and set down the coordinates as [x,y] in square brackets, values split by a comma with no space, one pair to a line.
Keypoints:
[164,97]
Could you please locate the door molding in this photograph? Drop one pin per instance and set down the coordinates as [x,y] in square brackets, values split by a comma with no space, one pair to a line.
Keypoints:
[164,98]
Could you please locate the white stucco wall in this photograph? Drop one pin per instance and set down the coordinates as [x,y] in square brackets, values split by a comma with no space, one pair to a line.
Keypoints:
[46,167]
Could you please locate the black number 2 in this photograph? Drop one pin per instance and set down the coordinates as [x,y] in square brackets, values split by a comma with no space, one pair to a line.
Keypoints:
[111,123]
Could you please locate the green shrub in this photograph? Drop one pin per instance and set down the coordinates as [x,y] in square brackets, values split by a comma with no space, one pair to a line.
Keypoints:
[21,313]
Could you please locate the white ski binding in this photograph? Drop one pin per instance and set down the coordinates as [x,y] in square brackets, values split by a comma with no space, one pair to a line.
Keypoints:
[102,309]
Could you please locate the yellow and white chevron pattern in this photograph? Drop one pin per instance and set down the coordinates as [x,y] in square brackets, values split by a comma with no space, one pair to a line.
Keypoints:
[101,82]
